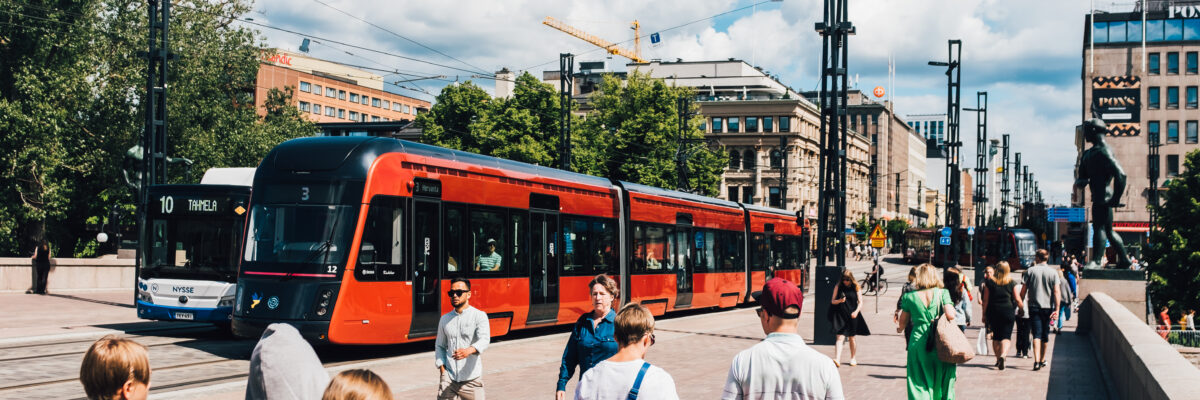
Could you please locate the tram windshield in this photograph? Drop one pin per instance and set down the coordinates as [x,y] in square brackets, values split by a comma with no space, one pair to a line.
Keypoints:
[193,248]
[280,236]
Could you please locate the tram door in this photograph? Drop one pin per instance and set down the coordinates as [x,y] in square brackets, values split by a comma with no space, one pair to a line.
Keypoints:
[543,271]
[426,249]
[684,249]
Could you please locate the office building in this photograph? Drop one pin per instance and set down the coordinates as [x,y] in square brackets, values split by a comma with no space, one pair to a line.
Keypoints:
[328,92]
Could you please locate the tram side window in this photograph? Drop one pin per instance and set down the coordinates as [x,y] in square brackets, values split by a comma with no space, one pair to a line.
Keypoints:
[604,235]
[671,252]
[380,255]
[487,240]
[758,252]
[731,249]
[454,238]
[778,250]
[792,261]
[655,248]
[575,246]
[639,248]
[706,243]
[518,232]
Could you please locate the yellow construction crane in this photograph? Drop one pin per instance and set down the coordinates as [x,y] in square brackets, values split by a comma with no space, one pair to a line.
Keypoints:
[612,48]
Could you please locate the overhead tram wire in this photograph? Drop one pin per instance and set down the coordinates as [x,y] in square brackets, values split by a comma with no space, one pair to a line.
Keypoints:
[305,35]
[657,31]
[479,70]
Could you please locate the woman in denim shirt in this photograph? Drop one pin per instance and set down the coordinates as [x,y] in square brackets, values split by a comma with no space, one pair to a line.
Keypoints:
[592,336]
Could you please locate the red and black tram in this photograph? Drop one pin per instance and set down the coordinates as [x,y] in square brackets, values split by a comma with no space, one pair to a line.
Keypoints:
[353,240]
[1013,245]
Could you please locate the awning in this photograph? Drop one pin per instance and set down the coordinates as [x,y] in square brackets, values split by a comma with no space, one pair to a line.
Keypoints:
[918,213]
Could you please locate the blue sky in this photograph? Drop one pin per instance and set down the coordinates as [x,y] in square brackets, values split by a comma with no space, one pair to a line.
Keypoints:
[1027,54]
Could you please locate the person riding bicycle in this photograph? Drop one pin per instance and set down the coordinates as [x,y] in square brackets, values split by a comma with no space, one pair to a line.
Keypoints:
[873,277]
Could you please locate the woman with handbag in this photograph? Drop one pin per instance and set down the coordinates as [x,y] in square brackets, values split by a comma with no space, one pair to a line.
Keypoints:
[1000,302]
[928,376]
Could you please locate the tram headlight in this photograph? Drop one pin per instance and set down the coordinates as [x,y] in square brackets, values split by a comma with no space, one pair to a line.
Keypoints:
[321,311]
[323,301]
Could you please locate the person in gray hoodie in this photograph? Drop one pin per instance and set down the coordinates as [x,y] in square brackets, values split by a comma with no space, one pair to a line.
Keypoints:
[285,367]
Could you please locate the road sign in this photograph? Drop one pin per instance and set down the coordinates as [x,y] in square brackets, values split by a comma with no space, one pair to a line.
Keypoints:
[878,238]
[971,231]
[944,241]
[1066,214]
[946,231]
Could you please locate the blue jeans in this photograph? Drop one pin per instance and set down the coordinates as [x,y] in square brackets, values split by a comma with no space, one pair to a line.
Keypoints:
[1039,321]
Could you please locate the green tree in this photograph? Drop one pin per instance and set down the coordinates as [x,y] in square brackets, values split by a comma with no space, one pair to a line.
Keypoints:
[633,132]
[71,104]
[1173,259]
[895,229]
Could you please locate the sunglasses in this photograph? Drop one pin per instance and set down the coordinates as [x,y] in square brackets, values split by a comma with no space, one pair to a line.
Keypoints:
[457,293]
[651,339]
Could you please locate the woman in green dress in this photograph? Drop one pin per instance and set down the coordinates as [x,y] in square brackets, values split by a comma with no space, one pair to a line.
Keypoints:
[928,377]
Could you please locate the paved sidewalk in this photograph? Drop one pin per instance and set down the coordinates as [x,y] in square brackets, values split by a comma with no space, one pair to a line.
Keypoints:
[29,317]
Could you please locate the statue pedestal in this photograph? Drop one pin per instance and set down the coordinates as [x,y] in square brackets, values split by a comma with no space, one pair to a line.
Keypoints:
[1126,286]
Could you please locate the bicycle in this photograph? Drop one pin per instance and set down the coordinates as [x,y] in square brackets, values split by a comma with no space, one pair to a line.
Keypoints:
[880,288]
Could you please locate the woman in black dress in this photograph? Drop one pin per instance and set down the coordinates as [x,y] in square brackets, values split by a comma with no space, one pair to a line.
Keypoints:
[846,317]
[1000,302]
[41,267]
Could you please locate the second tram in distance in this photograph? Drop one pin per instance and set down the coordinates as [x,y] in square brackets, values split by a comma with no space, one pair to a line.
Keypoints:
[353,240]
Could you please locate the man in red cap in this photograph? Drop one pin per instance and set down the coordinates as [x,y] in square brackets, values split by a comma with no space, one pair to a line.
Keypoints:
[782,365]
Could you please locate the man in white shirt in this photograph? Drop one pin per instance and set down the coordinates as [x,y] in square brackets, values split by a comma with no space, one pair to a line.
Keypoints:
[626,374]
[782,366]
[461,336]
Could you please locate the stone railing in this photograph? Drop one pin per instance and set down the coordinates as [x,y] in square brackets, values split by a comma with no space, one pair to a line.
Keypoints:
[68,274]
[1138,362]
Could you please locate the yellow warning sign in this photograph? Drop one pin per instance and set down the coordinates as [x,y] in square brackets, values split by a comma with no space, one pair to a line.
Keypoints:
[878,238]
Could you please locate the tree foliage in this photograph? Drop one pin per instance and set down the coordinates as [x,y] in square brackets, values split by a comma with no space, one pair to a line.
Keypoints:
[71,93]
[631,133]
[1174,256]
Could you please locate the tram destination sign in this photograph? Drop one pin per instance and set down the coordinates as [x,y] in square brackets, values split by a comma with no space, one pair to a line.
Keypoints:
[427,188]
[189,205]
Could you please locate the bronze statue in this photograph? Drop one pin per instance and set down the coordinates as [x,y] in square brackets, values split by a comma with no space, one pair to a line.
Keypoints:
[1097,168]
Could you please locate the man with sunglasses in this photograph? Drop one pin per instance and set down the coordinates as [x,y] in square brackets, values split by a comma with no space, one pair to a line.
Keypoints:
[782,365]
[461,336]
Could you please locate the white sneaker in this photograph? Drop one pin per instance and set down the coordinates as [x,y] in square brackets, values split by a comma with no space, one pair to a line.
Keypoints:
[853,362]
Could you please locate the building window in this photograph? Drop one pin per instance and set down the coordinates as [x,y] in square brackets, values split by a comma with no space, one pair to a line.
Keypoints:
[354,97]
[776,197]
[1172,132]
[387,105]
[316,109]
[748,159]
[776,159]
[1190,129]
[374,118]
[341,95]
[305,86]
[735,161]
[1152,97]
[1172,165]
[406,109]
[1154,30]
[751,124]
[1153,61]
[1172,97]
[316,90]
[304,106]
[1152,132]
[364,99]
[1134,33]
[748,195]
[768,124]
[1191,97]
[330,92]
[1173,29]
[1100,32]
[375,102]
[785,124]
[1192,62]
[733,125]
[1172,63]
[396,107]
[342,113]
[733,193]
[1191,29]
[366,117]
[718,125]
[354,115]
[330,111]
